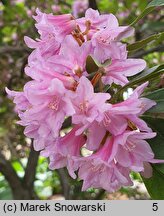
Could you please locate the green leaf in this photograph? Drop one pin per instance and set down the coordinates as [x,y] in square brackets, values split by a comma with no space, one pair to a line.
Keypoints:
[157,143]
[152,26]
[144,42]
[159,108]
[91,66]
[158,96]
[150,7]
[155,185]
[156,3]
[146,75]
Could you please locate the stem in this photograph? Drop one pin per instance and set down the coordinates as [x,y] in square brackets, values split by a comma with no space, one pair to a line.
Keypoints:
[30,172]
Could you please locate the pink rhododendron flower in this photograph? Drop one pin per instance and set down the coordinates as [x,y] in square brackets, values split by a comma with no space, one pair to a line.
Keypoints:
[98,173]
[105,40]
[49,25]
[72,65]
[89,106]
[49,103]
[126,113]
[64,85]
[96,20]
[64,150]
[19,99]
[119,69]
[133,150]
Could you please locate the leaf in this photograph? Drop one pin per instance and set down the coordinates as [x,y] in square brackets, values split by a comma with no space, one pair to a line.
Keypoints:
[157,143]
[152,26]
[147,75]
[143,77]
[150,7]
[159,108]
[155,184]
[150,72]
[156,3]
[91,66]
[158,96]
[144,42]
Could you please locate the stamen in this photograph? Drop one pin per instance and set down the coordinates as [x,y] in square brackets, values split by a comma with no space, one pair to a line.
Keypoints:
[78,36]
[88,26]
[83,106]
[131,125]
[54,105]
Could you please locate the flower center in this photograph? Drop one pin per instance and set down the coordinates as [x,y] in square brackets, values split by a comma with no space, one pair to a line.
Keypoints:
[78,71]
[54,104]
[129,146]
[83,106]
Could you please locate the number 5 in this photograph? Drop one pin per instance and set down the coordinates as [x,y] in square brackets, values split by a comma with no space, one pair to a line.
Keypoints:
[155,207]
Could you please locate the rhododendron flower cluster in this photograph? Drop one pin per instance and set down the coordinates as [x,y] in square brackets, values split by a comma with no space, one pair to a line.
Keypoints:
[62,87]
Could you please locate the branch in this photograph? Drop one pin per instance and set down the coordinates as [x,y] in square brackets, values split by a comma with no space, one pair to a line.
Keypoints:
[142,53]
[64,183]
[9,173]
[30,171]
[93,4]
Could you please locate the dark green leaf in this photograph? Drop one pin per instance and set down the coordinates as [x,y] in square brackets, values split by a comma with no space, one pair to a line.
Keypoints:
[146,75]
[150,7]
[156,95]
[159,108]
[155,185]
[91,66]
[156,3]
[143,43]
[157,143]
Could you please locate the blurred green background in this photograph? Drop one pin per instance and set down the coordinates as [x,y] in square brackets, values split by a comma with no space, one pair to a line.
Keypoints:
[23,174]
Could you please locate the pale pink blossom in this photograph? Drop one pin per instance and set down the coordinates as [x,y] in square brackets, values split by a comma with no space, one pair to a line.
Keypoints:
[58,26]
[49,105]
[96,20]
[121,115]
[63,151]
[105,41]
[19,99]
[71,63]
[96,172]
[119,69]
[133,150]
[89,106]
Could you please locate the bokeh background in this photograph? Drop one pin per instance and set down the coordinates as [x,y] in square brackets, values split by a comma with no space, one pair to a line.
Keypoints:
[23,174]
